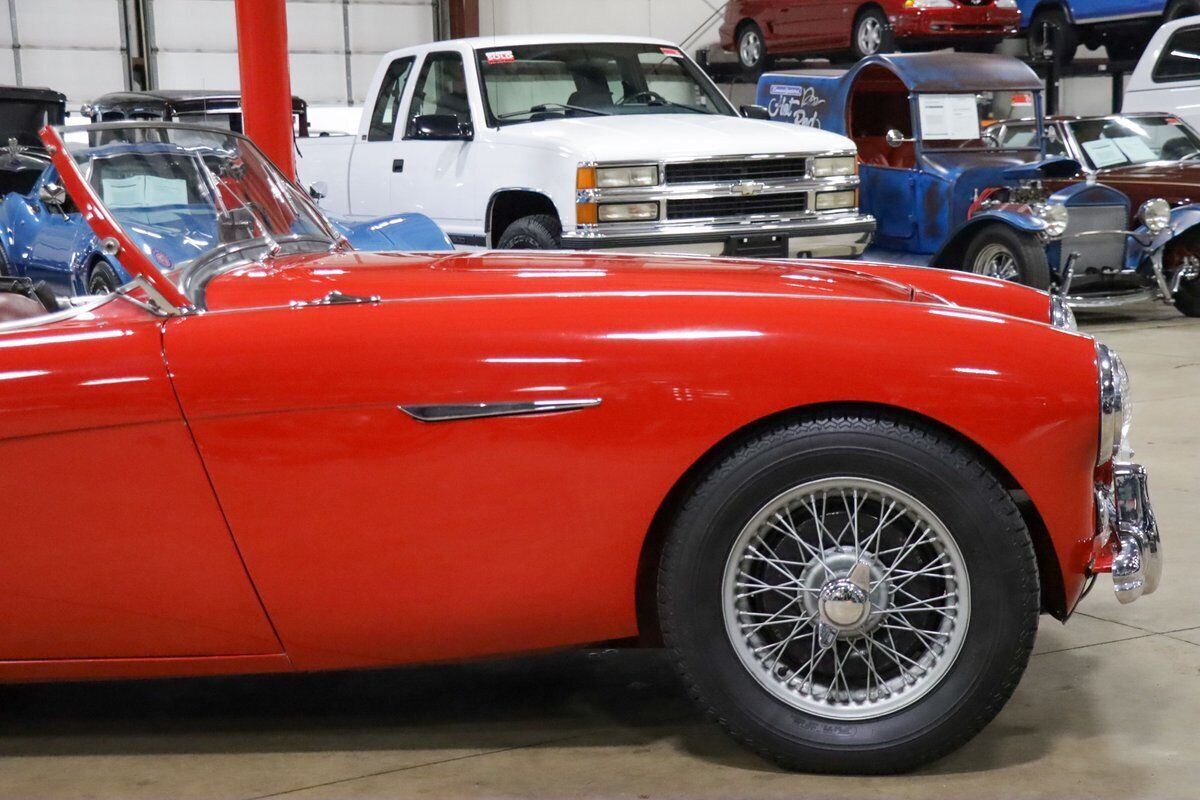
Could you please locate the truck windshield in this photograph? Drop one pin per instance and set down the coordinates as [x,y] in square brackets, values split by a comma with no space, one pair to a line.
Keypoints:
[189,195]
[960,121]
[553,81]
[1124,141]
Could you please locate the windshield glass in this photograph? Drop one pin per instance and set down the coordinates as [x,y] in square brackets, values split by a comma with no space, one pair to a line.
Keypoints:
[190,195]
[553,81]
[1123,141]
[961,121]
[22,119]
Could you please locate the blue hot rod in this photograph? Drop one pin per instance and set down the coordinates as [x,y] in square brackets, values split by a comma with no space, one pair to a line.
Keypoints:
[177,204]
[944,190]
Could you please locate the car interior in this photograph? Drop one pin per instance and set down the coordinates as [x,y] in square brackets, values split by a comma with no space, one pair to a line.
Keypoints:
[878,103]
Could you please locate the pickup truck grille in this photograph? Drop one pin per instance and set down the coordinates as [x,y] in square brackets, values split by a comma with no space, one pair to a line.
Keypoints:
[737,206]
[769,169]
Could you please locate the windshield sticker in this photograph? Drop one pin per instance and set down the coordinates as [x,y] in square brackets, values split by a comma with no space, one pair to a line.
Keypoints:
[1135,148]
[949,116]
[500,56]
[1104,153]
[671,51]
[143,191]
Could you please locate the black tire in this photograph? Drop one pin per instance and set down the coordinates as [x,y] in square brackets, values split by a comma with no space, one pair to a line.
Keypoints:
[1177,9]
[1187,299]
[534,232]
[1063,39]
[103,279]
[1027,253]
[873,19]
[3,264]
[750,41]
[949,479]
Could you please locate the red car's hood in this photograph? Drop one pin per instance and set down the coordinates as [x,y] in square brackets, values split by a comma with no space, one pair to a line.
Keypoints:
[1176,181]
[308,278]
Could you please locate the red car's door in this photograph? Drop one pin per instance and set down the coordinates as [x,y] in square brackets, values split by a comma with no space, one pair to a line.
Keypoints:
[113,545]
[812,24]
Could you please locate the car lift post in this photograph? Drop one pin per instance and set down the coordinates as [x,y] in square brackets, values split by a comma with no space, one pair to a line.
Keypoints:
[266,85]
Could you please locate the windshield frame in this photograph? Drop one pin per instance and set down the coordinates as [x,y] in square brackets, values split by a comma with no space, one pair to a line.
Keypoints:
[112,234]
[724,107]
[1086,158]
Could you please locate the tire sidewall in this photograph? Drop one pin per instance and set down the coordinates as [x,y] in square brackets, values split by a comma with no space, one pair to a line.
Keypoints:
[1033,269]
[529,233]
[102,272]
[885,42]
[993,567]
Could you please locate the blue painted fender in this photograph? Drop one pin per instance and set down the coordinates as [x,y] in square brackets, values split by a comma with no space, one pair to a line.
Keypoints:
[395,232]
[1184,220]
[951,253]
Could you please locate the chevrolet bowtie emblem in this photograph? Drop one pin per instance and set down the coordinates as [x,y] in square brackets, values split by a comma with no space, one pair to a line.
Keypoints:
[747,188]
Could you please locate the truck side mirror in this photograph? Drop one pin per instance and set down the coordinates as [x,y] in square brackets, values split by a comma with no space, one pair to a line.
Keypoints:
[755,112]
[895,138]
[441,127]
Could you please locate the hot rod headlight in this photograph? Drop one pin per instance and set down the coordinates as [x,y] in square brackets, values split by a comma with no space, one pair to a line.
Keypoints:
[834,166]
[1055,216]
[1116,409]
[620,177]
[1155,215]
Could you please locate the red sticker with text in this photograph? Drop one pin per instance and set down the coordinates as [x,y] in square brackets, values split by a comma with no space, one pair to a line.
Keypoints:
[500,57]
[671,51]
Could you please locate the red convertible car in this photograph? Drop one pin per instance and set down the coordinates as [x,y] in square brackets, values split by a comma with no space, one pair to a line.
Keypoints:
[839,495]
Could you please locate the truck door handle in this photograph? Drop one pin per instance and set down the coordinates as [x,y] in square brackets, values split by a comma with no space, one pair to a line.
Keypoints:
[397,165]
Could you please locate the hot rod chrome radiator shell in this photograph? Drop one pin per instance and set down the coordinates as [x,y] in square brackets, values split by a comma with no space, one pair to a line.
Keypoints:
[1097,234]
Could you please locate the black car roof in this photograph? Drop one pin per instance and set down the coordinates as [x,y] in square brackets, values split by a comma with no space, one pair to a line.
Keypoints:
[41,93]
[179,98]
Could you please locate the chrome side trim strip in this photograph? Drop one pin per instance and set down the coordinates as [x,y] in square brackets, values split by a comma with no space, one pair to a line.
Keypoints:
[457,411]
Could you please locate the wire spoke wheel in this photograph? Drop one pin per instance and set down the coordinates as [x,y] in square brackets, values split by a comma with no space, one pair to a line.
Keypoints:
[846,598]
[997,261]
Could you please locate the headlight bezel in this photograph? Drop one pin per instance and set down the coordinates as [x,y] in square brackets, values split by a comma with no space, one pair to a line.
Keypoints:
[1061,315]
[1155,214]
[609,213]
[1056,218]
[1116,408]
[610,177]
[835,200]
[844,165]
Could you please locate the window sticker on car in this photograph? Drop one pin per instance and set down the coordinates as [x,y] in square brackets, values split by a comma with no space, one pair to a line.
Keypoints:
[949,116]
[1104,153]
[671,51]
[143,191]
[500,56]
[1135,148]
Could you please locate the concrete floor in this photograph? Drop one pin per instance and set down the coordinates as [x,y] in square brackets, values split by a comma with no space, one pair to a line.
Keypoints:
[1108,708]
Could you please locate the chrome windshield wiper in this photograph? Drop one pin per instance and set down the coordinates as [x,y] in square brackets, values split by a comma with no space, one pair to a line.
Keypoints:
[547,106]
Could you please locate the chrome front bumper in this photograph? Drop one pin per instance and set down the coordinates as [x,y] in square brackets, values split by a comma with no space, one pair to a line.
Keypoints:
[1125,518]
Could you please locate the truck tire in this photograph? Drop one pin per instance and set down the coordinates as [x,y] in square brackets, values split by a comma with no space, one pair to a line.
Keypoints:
[827,690]
[871,34]
[534,232]
[1181,8]
[1187,299]
[1050,29]
[1001,252]
[751,49]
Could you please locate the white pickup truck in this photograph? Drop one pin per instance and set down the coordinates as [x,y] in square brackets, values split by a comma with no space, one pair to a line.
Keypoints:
[583,142]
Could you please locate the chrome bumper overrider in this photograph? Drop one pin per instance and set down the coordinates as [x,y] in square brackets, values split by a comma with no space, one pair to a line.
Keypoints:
[1127,517]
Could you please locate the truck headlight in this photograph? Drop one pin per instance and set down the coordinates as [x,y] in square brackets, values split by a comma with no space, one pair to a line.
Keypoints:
[1116,409]
[827,201]
[628,212]
[1155,215]
[621,177]
[834,166]
[1056,216]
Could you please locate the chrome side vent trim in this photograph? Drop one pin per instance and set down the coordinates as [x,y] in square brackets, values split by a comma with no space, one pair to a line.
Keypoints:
[452,412]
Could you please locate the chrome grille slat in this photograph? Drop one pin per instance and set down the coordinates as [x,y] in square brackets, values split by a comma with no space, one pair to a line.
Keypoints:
[1099,250]
[737,206]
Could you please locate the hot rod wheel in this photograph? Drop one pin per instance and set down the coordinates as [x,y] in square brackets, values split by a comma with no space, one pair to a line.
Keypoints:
[850,593]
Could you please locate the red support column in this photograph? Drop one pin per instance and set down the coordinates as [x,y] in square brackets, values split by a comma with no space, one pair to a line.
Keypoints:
[266,85]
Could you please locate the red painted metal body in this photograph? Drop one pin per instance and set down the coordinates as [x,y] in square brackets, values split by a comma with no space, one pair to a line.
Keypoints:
[800,27]
[363,537]
[266,83]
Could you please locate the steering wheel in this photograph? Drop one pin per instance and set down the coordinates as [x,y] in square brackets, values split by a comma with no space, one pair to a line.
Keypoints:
[648,94]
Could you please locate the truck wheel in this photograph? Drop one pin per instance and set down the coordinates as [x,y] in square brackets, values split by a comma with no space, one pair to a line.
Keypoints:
[751,49]
[1001,252]
[1181,8]
[1187,299]
[534,232]
[850,593]
[871,34]
[103,280]
[1051,30]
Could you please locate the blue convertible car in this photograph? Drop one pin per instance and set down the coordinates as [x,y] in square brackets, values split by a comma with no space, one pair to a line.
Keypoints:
[187,208]
[946,192]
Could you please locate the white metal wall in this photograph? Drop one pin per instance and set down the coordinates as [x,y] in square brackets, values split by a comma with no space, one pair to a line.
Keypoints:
[692,23]
[195,43]
[74,46]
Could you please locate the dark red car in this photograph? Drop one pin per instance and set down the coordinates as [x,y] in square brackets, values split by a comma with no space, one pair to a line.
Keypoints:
[758,30]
